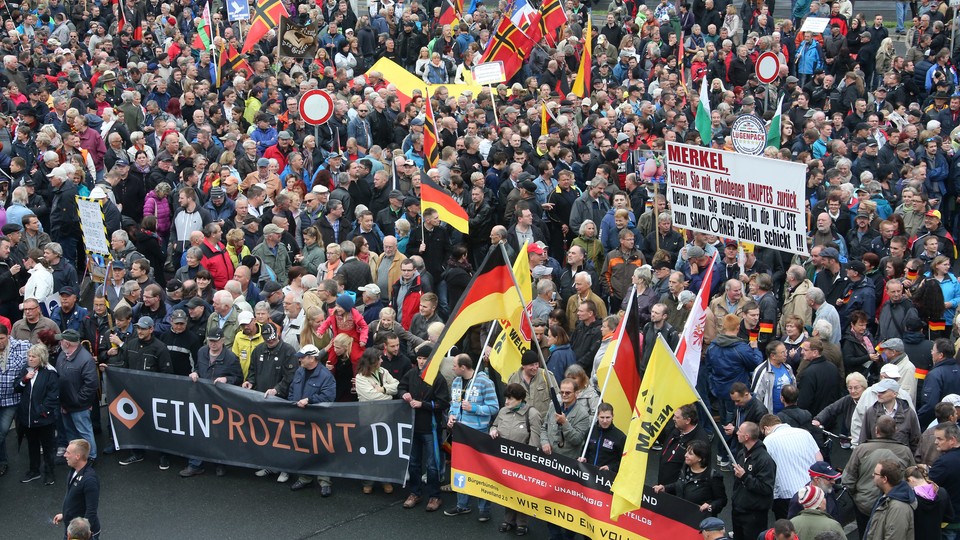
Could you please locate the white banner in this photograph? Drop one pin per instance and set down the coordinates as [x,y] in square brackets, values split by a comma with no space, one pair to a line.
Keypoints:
[93,226]
[750,199]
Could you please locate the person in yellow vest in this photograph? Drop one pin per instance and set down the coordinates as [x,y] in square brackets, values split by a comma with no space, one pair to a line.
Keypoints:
[246,340]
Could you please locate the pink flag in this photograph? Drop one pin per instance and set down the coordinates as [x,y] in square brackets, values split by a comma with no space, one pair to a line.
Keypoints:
[691,342]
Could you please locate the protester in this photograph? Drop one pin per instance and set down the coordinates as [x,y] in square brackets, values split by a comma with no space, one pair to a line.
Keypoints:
[207,176]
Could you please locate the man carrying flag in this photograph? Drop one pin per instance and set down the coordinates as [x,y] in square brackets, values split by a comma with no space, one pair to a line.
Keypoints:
[653,411]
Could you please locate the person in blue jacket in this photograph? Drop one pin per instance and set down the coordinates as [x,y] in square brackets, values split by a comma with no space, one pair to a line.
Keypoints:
[809,58]
[312,384]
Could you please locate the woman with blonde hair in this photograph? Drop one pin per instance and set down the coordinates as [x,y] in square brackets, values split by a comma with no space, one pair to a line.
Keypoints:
[374,383]
[587,396]
[38,384]
[342,367]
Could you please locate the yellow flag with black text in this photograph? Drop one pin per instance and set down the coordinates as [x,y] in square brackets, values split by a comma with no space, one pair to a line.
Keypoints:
[514,339]
[664,389]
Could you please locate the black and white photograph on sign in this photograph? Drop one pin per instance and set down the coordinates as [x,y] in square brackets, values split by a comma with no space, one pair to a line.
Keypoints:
[740,197]
[298,41]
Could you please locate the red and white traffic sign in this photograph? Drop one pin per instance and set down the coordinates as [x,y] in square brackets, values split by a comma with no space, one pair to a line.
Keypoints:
[767,67]
[316,107]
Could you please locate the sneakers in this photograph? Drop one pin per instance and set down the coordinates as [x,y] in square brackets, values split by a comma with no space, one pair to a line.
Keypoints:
[412,500]
[483,517]
[191,471]
[456,511]
[326,491]
[48,479]
[30,477]
[262,472]
[434,504]
[131,459]
[283,477]
[388,488]
[164,462]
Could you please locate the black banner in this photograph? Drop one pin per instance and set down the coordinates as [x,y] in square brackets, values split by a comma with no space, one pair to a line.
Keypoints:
[562,491]
[230,425]
[298,41]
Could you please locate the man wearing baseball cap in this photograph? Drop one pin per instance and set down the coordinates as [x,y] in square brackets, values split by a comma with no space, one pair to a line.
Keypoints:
[312,384]
[823,477]
[214,363]
[933,225]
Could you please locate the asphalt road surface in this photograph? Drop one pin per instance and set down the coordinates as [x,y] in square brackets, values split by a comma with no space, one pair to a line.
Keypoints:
[140,501]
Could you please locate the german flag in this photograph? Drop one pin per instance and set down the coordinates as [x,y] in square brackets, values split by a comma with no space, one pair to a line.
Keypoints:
[938,326]
[508,45]
[621,386]
[552,19]
[431,142]
[490,295]
[581,85]
[766,328]
[434,196]
[266,16]
[231,60]
[451,11]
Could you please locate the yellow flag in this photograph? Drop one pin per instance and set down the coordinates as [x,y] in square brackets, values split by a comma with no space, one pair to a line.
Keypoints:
[544,126]
[663,390]
[511,343]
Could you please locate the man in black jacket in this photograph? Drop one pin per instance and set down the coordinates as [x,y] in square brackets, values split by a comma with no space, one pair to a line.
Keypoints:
[820,383]
[428,401]
[586,337]
[686,423]
[83,488]
[755,473]
[607,442]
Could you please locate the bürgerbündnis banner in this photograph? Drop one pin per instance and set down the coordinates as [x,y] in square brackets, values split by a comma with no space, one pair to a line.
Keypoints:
[233,426]
[562,491]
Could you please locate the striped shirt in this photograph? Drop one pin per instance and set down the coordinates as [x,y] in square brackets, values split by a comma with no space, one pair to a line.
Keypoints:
[794,451]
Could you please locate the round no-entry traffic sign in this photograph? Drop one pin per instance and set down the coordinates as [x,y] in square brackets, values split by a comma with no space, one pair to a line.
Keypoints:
[767,67]
[316,107]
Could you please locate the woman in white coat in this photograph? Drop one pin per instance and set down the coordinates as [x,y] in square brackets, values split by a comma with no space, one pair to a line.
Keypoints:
[374,383]
[40,283]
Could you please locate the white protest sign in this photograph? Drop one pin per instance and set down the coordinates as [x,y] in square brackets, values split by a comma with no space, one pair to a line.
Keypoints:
[815,24]
[93,226]
[489,73]
[751,199]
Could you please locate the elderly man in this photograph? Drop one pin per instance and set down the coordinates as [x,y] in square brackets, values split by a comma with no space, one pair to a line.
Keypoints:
[78,390]
[293,319]
[311,384]
[889,405]
[32,323]
[822,310]
[224,317]
[582,283]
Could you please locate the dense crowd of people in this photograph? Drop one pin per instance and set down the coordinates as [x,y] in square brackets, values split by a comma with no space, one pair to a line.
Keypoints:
[251,249]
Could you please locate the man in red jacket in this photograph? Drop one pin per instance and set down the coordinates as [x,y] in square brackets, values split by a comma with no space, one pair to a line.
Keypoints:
[215,257]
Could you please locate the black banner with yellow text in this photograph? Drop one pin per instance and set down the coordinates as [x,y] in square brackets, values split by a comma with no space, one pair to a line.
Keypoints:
[562,491]
[233,426]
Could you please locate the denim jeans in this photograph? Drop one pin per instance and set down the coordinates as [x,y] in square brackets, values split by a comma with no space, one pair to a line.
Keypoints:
[6,422]
[78,425]
[423,448]
[463,501]
[901,13]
